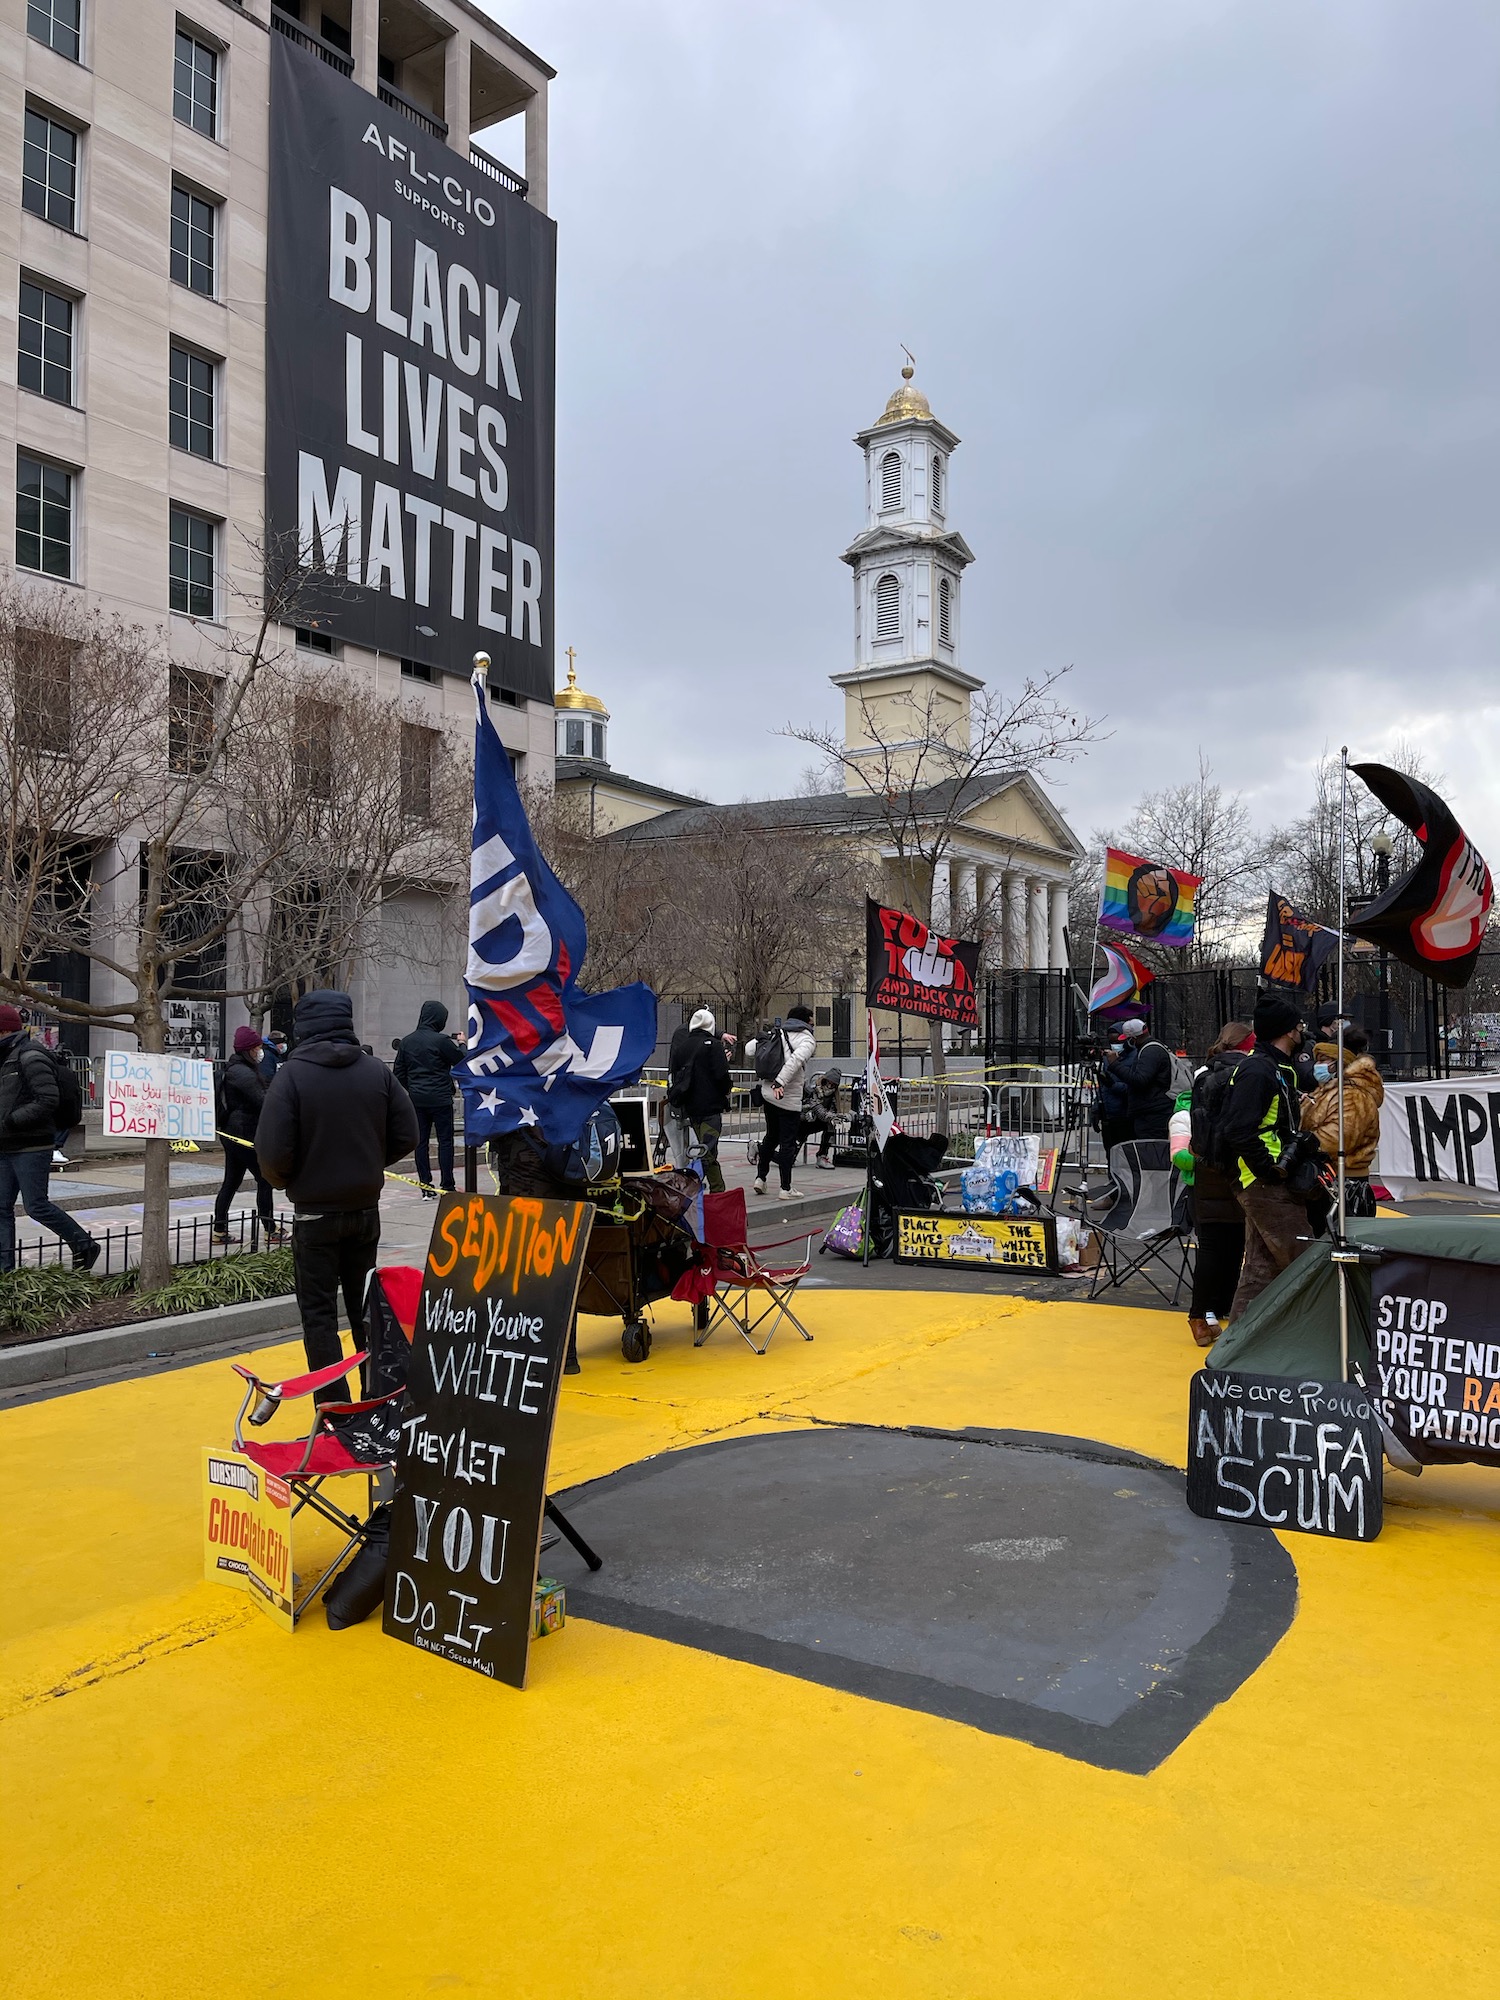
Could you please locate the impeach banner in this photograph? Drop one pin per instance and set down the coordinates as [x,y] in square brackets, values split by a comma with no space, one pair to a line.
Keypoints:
[910,969]
[247,1532]
[977,1242]
[1435,1325]
[1445,1134]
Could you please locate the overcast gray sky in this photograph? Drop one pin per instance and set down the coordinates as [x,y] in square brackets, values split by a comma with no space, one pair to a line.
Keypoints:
[1208,288]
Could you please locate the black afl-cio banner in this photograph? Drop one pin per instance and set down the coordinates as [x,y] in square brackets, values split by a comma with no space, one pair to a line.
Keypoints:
[409,384]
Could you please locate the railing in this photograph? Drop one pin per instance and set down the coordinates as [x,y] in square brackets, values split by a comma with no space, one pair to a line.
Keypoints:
[245,1235]
[399,101]
[306,39]
[507,177]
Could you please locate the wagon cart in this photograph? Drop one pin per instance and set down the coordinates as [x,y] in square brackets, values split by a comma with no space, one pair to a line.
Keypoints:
[637,1252]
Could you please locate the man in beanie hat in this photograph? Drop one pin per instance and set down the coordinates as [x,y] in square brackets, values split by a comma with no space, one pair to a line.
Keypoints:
[702,1086]
[333,1120]
[242,1092]
[29,1099]
[1257,1134]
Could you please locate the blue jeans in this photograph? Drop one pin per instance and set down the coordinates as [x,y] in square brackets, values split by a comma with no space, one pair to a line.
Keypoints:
[25,1174]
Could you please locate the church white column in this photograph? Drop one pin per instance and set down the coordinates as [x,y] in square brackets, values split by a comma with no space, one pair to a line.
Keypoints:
[1057,954]
[1015,920]
[1036,943]
[965,895]
[942,901]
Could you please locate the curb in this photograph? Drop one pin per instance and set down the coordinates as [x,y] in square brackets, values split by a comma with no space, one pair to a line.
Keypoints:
[40,1361]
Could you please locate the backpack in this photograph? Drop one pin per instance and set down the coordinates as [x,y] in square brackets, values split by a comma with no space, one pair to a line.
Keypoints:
[20,1113]
[771,1054]
[1183,1074]
[593,1158]
[69,1091]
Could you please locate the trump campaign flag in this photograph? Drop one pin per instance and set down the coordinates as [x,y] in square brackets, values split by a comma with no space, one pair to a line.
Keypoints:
[1434,918]
[542,1053]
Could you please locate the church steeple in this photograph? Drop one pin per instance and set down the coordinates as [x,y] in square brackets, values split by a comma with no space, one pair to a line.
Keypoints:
[908,566]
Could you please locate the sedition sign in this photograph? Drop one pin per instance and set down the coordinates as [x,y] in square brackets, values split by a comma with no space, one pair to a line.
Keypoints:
[976,1242]
[1278,1453]
[498,1294]
[1435,1326]
[409,383]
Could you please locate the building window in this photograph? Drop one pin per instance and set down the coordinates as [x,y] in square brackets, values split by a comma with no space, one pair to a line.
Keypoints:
[192,242]
[517,762]
[49,170]
[192,718]
[193,384]
[58,23]
[945,612]
[195,85]
[44,691]
[937,484]
[192,540]
[573,733]
[890,482]
[596,731]
[317,642]
[44,359]
[507,697]
[416,770]
[416,670]
[44,516]
[888,608]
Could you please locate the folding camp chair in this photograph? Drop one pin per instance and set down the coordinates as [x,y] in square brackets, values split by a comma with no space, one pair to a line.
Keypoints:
[336,1447]
[1145,1221]
[739,1273]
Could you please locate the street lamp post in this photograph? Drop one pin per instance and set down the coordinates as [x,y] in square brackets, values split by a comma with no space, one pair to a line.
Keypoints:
[1381,845]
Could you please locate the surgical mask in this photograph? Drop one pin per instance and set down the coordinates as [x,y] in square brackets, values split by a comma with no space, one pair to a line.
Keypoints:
[1322,1071]
[1117,1048]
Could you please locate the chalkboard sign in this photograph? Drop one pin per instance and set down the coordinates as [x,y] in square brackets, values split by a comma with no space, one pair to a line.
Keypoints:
[1279,1453]
[1436,1332]
[471,1477]
[976,1242]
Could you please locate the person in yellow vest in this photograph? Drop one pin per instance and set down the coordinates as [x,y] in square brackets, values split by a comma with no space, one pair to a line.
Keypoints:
[1257,1143]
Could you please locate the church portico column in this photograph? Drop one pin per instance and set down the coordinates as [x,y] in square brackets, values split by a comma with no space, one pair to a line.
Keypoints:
[1057,943]
[942,899]
[1036,952]
[1015,920]
[964,877]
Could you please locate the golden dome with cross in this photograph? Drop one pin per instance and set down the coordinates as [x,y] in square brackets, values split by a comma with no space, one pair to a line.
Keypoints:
[573,696]
[905,402]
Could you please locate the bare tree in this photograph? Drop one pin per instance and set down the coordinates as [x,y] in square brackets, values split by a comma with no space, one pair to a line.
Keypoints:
[1311,845]
[624,890]
[922,760]
[156,809]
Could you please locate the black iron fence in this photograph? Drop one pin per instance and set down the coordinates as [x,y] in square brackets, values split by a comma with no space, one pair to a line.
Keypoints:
[191,1238]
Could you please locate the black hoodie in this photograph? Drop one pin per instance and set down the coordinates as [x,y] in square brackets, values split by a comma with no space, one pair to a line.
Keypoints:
[425,1059]
[334,1118]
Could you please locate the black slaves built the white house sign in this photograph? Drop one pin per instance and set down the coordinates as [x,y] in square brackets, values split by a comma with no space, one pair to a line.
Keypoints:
[409,395]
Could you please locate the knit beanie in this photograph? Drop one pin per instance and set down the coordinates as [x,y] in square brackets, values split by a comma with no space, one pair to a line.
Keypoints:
[1275,1016]
[703,1019]
[245,1039]
[10,1019]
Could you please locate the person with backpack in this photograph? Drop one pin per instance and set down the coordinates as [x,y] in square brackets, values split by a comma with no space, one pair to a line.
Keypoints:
[241,1093]
[39,1097]
[782,1058]
[424,1065]
[1218,1219]
[679,1063]
[1259,1145]
[1153,1083]
[333,1120]
[698,1093]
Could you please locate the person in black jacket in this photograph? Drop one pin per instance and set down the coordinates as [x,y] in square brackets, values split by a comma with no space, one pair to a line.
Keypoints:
[242,1091]
[29,1099]
[1218,1219]
[424,1068]
[1148,1084]
[704,1093]
[1257,1141]
[1110,1116]
[333,1120]
[678,1125]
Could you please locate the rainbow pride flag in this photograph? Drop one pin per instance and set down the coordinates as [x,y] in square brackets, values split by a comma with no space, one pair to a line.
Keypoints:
[1147,899]
[1121,984]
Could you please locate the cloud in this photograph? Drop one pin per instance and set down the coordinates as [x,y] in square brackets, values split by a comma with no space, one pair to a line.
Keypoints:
[1207,290]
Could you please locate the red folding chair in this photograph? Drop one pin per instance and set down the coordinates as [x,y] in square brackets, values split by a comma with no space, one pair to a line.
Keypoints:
[304,1463]
[740,1276]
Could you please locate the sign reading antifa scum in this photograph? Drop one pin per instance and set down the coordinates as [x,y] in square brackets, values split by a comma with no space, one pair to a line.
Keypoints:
[1279,1453]
[1435,1325]
[409,383]
[497,1299]
[909,969]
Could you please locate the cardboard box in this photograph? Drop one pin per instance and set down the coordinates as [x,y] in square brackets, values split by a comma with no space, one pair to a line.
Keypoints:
[549,1607]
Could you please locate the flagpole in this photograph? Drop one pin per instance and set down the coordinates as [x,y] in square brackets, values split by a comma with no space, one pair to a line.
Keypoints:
[1343,1215]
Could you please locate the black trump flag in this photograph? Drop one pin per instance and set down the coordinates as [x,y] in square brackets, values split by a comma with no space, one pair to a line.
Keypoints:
[1434,918]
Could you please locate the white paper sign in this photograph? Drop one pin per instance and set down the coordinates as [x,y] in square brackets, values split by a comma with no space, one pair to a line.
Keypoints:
[157,1097]
[1442,1135]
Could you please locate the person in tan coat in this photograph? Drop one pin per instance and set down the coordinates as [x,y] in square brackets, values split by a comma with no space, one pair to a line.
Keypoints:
[1364,1093]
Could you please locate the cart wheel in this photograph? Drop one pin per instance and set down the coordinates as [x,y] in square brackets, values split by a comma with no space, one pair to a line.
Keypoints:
[635,1341]
[700,1316]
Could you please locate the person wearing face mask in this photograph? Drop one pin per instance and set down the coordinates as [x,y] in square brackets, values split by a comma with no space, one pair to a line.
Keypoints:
[1110,1116]
[1218,1219]
[1364,1093]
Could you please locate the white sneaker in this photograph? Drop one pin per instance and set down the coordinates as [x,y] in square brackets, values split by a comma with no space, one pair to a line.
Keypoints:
[786,1195]
[760,1187]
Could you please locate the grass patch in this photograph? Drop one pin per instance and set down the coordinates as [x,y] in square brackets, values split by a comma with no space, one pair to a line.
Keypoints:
[38,1300]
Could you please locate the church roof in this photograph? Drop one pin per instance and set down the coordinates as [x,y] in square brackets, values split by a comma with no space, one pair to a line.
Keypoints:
[905,403]
[573,696]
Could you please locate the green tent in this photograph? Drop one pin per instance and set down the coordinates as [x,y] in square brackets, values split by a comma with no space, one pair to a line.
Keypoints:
[1293,1327]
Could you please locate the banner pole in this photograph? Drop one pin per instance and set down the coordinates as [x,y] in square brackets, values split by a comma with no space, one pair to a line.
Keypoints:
[1343,1216]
